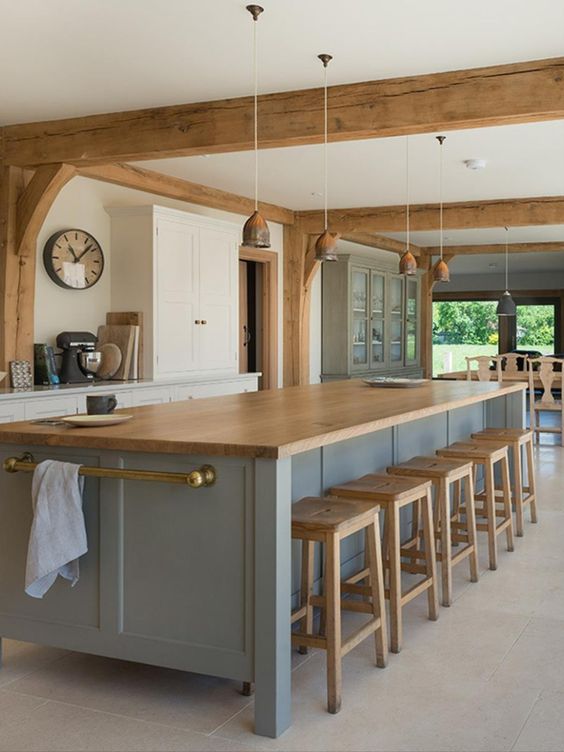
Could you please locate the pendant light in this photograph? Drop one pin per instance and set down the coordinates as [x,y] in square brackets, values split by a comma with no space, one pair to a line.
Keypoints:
[255,231]
[440,271]
[408,263]
[506,305]
[326,243]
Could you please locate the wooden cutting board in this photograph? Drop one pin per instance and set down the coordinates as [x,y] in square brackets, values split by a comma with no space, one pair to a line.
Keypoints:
[123,336]
[132,318]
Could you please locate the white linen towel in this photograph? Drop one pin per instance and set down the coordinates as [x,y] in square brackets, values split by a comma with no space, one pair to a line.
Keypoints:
[58,532]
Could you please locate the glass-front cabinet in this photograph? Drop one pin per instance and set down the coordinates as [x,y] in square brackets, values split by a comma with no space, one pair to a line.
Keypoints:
[370,319]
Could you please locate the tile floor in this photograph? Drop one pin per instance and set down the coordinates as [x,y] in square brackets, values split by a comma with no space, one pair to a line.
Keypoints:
[489,675]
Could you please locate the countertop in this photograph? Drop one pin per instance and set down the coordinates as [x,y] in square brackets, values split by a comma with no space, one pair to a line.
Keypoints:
[57,390]
[274,424]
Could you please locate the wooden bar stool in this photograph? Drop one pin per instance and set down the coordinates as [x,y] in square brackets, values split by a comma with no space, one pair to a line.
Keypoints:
[445,473]
[488,454]
[393,493]
[329,521]
[523,495]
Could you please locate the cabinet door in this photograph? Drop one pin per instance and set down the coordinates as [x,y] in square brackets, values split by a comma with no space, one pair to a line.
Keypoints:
[50,407]
[378,320]
[177,272]
[218,299]
[11,411]
[411,322]
[359,319]
[154,396]
[396,308]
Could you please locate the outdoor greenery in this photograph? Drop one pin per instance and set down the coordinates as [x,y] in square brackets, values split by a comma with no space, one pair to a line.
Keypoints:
[470,328]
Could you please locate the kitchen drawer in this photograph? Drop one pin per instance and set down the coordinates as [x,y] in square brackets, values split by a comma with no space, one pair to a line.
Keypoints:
[11,411]
[124,399]
[50,407]
[223,388]
[155,396]
[184,392]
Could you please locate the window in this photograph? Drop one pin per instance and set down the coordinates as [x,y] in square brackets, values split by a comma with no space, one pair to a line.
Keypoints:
[460,329]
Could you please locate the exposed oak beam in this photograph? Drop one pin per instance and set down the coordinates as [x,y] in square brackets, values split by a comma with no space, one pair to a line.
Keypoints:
[543,210]
[382,242]
[496,95]
[475,250]
[183,190]
[35,202]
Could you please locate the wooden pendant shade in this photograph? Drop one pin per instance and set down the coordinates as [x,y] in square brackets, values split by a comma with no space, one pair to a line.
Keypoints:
[255,232]
[408,264]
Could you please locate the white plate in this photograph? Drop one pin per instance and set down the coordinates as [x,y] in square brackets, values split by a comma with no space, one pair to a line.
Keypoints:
[85,421]
[399,383]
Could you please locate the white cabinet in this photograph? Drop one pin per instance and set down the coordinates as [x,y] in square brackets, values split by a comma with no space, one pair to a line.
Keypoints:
[181,270]
[124,399]
[50,407]
[11,411]
[154,396]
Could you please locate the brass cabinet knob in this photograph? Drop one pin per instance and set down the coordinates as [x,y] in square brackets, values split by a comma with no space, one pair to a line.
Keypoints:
[205,476]
[197,321]
[204,321]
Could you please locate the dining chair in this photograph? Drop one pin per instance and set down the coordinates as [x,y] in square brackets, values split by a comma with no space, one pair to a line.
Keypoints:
[484,371]
[547,373]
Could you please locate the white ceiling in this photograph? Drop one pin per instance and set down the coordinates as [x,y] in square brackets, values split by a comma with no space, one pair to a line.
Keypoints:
[74,57]
[522,160]
[519,263]
[479,236]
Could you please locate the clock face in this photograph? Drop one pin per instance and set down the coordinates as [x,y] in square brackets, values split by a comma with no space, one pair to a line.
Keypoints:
[73,259]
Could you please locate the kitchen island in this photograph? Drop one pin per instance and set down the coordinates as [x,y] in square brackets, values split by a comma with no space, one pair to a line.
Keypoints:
[200,579]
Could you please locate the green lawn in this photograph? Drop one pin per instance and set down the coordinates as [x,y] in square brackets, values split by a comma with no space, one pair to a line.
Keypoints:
[459,353]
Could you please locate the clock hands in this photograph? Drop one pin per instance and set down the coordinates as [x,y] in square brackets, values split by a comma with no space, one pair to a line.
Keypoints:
[71,249]
[85,251]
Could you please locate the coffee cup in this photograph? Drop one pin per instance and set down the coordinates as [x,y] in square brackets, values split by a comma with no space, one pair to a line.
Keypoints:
[100,404]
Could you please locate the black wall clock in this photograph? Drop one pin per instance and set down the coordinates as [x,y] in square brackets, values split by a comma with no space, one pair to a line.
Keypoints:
[73,259]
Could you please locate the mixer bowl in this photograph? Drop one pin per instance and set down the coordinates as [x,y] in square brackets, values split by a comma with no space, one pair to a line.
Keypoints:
[90,361]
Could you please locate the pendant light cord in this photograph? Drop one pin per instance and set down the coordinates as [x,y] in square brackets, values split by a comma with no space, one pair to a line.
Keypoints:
[441,141]
[255,74]
[325,137]
[507,259]
[407,207]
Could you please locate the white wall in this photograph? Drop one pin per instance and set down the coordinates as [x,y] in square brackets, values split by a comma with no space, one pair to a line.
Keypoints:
[82,203]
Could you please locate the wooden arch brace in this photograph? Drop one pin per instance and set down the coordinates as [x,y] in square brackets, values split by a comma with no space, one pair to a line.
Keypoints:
[35,202]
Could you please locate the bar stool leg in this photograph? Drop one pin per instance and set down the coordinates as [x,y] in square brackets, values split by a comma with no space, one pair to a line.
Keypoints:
[471,526]
[430,556]
[333,623]
[308,552]
[491,515]
[394,554]
[518,490]
[531,481]
[374,550]
[446,549]
[506,485]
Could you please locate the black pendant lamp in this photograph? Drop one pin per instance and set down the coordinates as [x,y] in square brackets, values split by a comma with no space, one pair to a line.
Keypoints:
[441,271]
[506,305]
[255,231]
[326,243]
[408,263]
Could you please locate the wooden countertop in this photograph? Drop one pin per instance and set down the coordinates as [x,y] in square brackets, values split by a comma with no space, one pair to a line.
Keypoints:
[274,424]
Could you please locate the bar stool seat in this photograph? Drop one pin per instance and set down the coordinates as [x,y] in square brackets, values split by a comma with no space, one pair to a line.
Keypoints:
[393,493]
[523,495]
[446,474]
[488,454]
[329,521]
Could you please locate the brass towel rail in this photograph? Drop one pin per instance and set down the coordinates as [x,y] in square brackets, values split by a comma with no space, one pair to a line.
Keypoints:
[204,476]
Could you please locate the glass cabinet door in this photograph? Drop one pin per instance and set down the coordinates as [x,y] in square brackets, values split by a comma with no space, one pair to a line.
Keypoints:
[360,318]
[377,320]
[396,319]
[411,343]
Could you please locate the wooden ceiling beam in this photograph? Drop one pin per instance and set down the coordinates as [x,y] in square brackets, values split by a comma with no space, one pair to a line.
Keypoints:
[496,95]
[475,250]
[381,242]
[542,210]
[150,181]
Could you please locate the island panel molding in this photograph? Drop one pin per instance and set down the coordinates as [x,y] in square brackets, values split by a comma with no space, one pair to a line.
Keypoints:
[271,424]
[521,92]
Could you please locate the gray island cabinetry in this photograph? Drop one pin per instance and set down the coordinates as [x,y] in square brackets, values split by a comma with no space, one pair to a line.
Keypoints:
[200,579]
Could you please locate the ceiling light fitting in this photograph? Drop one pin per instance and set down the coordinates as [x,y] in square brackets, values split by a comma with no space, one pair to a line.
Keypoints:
[326,243]
[255,231]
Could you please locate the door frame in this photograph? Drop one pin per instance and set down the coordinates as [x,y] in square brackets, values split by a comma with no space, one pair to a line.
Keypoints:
[269,319]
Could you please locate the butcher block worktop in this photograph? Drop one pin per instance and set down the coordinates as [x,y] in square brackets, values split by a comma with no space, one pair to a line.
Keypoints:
[276,423]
